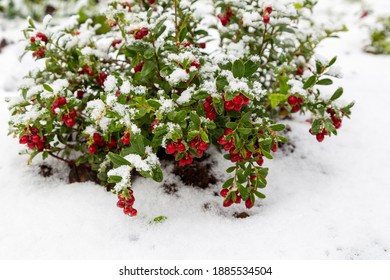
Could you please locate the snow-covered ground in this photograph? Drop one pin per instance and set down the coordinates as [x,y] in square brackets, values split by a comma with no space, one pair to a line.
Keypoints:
[324,201]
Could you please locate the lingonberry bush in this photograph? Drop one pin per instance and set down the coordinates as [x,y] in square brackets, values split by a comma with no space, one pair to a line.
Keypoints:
[114,100]
[380,37]
[37,9]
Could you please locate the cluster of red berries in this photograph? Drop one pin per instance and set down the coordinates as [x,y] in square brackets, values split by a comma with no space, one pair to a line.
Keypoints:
[87,70]
[236,103]
[126,138]
[42,37]
[32,139]
[211,113]
[140,33]
[101,78]
[97,141]
[70,118]
[336,121]
[200,146]
[224,193]
[179,147]
[40,52]
[187,44]
[320,136]
[266,14]
[295,102]
[228,145]
[138,68]
[60,101]
[225,18]
[127,204]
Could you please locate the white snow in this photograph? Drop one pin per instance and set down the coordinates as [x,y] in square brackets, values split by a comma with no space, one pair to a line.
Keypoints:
[324,201]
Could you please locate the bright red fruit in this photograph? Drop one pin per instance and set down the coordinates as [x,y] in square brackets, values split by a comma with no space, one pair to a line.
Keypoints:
[227,203]
[248,203]
[224,192]
[24,139]
[92,149]
[320,137]
[203,146]
[171,148]
[292,100]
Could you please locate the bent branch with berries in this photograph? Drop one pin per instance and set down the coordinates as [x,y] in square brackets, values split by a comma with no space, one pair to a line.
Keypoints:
[113,100]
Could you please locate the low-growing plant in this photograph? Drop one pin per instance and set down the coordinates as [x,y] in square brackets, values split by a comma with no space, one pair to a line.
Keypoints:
[151,83]
[380,37]
[37,9]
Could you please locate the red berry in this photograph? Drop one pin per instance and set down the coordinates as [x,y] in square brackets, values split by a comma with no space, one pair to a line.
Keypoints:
[42,36]
[120,204]
[238,200]
[130,201]
[295,109]
[320,137]
[189,160]
[227,203]
[80,94]
[40,146]
[171,148]
[24,139]
[133,212]
[222,140]
[31,145]
[299,100]
[203,146]
[246,100]
[229,105]
[195,63]
[32,39]
[199,152]
[61,101]
[237,108]
[181,147]
[209,99]
[70,122]
[211,115]
[228,131]
[92,149]
[248,203]
[101,143]
[116,42]
[35,139]
[292,100]
[139,67]
[207,107]
[182,162]
[96,137]
[202,45]
[235,158]
[238,100]
[224,192]
[268,9]
[274,148]
[34,130]
[260,161]
[193,143]
[224,19]
[300,71]
[337,123]
[266,18]
[127,210]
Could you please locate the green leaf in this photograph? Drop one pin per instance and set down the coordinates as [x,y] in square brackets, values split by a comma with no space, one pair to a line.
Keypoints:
[310,82]
[231,169]
[325,82]
[47,87]
[238,69]
[159,219]
[228,183]
[276,99]
[148,70]
[137,144]
[250,68]
[153,103]
[277,127]
[118,160]
[243,192]
[114,179]
[158,175]
[259,194]
[195,118]
[332,61]
[337,94]
[244,131]
[183,34]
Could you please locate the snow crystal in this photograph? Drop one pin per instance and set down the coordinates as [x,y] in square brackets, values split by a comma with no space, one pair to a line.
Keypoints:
[138,162]
[185,96]
[177,76]
[296,87]
[125,87]
[110,83]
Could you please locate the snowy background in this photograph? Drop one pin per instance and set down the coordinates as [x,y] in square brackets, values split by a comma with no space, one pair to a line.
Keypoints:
[324,201]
